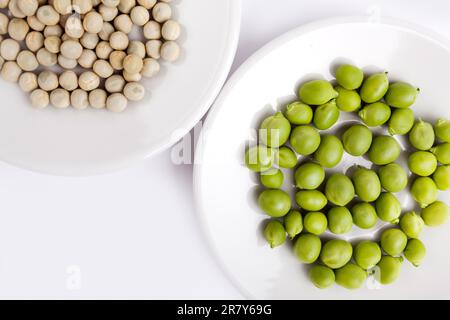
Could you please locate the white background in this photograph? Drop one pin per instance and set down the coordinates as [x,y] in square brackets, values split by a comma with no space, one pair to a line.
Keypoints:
[134,234]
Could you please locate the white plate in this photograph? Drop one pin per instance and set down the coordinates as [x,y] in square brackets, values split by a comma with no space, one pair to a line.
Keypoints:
[71,142]
[226,191]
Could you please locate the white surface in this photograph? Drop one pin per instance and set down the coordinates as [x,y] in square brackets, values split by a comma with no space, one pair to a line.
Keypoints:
[73,142]
[115,227]
[226,192]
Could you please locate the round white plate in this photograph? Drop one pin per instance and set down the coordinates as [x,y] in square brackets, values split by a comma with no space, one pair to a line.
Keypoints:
[226,191]
[71,142]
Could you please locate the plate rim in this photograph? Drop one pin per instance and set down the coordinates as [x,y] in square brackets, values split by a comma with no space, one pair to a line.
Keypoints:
[235,78]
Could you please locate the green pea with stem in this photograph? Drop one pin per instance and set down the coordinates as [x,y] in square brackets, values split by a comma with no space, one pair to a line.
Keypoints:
[349,76]
[330,151]
[401,95]
[375,114]
[299,113]
[274,233]
[307,248]
[348,100]
[374,87]
[326,115]
[317,92]
[293,223]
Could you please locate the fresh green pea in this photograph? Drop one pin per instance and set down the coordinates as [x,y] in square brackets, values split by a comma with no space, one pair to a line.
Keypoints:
[326,115]
[393,177]
[401,95]
[349,76]
[259,158]
[307,248]
[384,150]
[322,277]
[348,100]
[275,130]
[309,176]
[317,92]
[415,251]
[367,184]
[351,276]
[374,87]
[393,241]
[339,189]
[315,223]
[412,224]
[272,178]
[305,140]
[441,177]
[330,151]
[442,130]
[367,254]
[274,233]
[375,114]
[401,121]
[422,163]
[435,214]
[311,200]
[390,268]
[421,135]
[357,140]
[340,220]
[299,113]
[388,207]
[336,253]
[293,223]
[364,215]
[442,153]
[276,203]
[286,158]
[424,191]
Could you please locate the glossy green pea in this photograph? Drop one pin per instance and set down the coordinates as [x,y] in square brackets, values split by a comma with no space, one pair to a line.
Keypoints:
[442,153]
[351,276]
[275,130]
[401,95]
[330,151]
[367,184]
[305,140]
[309,176]
[401,121]
[259,158]
[348,100]
[357,140]
[441,177]
[375,114]
[293,223]
[384,150]
[311,200]
[421,135]
[307,248]
[435,214]
[415,251]
[339,189]
[442,130]
[393,177]
[389,268]
[276,203]
[393,241]
[326,115]
[274,233]
[424,191]
[322,277]
[349,76]
[286,158]
[374,87]
[388,207]
[317,92]
[336,253]
[299,113]
[412,224]
[422,163]
[364,215]
[315,223]
[340,220]
[272,178]
[367,254]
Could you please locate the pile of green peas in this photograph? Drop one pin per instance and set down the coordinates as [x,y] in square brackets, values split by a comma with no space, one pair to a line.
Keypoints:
[335,202]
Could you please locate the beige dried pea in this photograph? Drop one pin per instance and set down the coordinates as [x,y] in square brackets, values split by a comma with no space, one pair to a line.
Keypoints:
[39,98]
[28,81]
[60,98]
